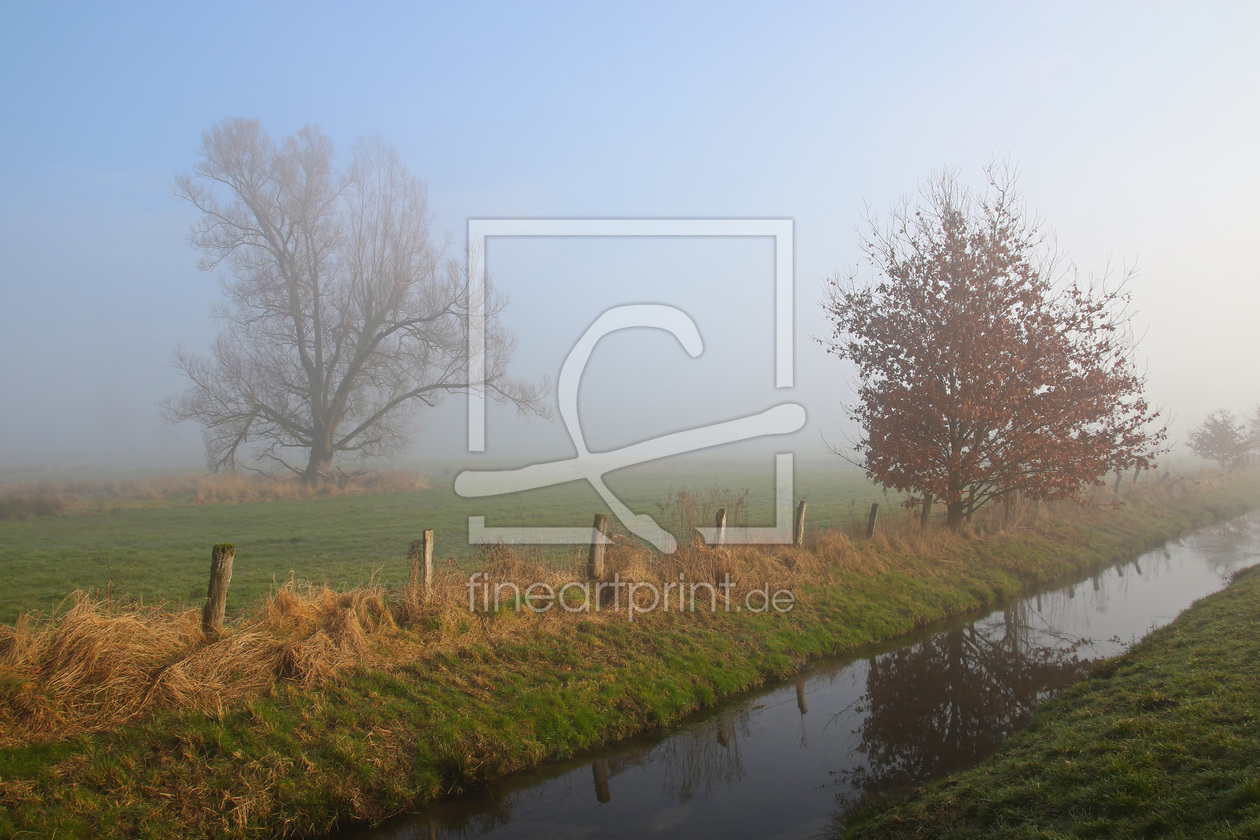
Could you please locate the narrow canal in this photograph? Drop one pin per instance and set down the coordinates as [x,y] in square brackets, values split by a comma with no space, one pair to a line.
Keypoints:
[790,760]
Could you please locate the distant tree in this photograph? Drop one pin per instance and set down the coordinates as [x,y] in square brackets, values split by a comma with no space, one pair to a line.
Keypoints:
[1253,440]
[342,312]
[985,367]
[1221,437]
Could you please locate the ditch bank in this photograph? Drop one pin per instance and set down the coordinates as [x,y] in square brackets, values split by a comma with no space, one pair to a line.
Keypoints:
[1163,740]
[376,741]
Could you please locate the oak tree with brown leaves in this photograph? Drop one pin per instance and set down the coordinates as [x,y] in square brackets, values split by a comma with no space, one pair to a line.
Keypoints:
[986,366]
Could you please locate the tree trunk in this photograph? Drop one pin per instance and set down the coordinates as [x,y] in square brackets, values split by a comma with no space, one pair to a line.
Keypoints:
[216,595]
[954,514]
[319,465]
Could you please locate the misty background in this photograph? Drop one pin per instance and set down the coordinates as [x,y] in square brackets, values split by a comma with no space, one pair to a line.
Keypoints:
[1134,127]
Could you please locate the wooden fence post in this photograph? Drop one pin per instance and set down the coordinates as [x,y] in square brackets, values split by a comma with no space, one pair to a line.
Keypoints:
[595,563]
[428,562]
[719,522]
[216,596]
[870,521]
[798,526]
[421,556]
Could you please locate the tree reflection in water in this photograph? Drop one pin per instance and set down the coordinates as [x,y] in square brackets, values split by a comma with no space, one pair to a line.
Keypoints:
[945,703]
[692,762]
[701,758]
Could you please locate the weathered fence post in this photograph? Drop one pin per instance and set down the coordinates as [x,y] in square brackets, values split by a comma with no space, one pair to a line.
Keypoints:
[798,527]
[927,511]
[595,563]
[216,596]
[599,769]
[428,562]
[870,521]
[719,523]
[421,556]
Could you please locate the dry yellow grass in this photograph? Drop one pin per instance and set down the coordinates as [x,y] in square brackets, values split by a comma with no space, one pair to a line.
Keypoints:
[100,663]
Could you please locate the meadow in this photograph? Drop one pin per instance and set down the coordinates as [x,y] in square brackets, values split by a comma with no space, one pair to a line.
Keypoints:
[318,708]
[150,539]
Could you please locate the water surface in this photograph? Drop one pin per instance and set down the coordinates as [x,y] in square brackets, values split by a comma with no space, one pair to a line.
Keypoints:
[789,761]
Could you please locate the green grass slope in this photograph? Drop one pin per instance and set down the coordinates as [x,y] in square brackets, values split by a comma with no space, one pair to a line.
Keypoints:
[1163,741]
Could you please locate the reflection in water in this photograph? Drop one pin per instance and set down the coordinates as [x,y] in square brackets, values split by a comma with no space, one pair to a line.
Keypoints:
[945,703]
[599,767]
[765,766]
[704,756]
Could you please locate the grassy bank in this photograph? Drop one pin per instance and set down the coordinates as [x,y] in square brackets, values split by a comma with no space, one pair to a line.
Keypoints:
[327,707]
[1163,741]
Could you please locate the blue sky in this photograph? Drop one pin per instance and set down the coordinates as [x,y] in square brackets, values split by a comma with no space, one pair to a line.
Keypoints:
[1134,126]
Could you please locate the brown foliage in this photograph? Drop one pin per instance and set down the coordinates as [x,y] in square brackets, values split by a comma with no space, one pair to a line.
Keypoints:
[986,370]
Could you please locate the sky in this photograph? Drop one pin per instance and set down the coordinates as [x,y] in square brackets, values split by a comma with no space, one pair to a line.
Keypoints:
[1134,128]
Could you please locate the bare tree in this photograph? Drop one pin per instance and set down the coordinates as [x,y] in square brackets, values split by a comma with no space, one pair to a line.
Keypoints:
[341,313]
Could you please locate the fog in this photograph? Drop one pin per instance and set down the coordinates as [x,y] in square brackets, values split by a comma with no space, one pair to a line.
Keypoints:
[1134,128]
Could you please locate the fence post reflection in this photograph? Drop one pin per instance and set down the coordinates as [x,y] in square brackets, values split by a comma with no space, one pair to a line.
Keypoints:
[599,769]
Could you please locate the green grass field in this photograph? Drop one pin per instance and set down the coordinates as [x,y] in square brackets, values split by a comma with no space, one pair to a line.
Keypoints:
[159,549]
